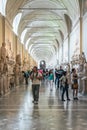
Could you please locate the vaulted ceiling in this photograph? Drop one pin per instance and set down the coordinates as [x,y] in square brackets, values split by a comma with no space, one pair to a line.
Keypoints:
[42,24]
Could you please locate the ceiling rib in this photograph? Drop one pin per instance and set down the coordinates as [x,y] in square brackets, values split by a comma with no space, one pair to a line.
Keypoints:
[42,26]
[43,9]
[42,20]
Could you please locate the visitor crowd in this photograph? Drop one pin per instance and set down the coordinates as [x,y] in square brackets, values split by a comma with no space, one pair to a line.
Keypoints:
[58,78]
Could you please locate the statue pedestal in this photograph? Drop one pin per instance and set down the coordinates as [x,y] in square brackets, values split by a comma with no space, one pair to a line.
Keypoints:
[1,85]
[11,81]
[84,85]
[21,78]
[5,83]
[16,80]
[80,75]
[10,73]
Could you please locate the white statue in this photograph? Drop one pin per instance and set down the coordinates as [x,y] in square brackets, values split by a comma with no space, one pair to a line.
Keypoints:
[9,49]
[82,58]
[17,69]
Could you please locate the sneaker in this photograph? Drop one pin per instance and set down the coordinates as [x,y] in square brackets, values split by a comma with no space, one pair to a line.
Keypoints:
[33,101]
[76,98]
[36,102]
[68,99]
[63,100]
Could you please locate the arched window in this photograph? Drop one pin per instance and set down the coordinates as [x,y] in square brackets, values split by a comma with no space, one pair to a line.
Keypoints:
[23,35]
[27,43]
[2,6]
[16,22]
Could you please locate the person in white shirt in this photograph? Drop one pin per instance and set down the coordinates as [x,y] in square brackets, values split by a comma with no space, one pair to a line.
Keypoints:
[35,77]
[65,86]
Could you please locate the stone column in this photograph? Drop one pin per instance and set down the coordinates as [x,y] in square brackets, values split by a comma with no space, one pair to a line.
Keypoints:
[81,27]
[62,52]
[22,54]
[3,28]
[69,48]
[14,45]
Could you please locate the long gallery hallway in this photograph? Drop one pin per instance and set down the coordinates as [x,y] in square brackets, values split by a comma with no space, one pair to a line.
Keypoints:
[17,112]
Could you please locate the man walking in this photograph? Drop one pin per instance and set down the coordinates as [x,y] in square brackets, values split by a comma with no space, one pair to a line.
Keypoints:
[35,77]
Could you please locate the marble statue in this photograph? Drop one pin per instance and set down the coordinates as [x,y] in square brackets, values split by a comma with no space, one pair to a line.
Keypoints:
[82,58]
[84,79]
[4,67]
[17,69]
[1,77]
[5,78]
[3,52]
[82,71]
[10,52]
[1,67]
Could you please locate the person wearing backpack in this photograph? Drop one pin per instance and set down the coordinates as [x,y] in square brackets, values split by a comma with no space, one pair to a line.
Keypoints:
[35,77]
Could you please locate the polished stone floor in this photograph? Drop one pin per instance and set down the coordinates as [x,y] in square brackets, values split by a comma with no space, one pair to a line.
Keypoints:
[17,112]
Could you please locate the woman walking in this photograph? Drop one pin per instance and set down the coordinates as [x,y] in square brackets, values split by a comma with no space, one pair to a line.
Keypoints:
[51,79]
[74,79]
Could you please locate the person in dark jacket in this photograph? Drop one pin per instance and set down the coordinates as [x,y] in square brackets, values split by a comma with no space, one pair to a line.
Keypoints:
[59,74]
[26,76]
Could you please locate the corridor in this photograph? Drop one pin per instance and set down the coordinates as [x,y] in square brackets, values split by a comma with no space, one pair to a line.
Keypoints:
[17,112]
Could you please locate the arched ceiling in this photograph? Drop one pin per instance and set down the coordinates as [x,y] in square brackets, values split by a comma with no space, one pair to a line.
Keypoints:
[42,24]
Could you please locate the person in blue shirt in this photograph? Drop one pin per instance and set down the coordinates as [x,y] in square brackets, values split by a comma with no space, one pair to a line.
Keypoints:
[51,79]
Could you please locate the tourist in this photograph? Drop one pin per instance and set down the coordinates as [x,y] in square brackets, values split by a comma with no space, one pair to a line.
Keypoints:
[74,80]
[35,77]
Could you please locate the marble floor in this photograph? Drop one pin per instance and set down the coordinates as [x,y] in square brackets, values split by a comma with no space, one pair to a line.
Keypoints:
[17,112]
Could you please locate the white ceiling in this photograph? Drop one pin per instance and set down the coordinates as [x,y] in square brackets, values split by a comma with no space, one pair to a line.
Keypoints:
[39,24]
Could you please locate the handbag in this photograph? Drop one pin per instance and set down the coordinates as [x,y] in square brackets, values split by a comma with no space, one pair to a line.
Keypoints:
[75,86]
